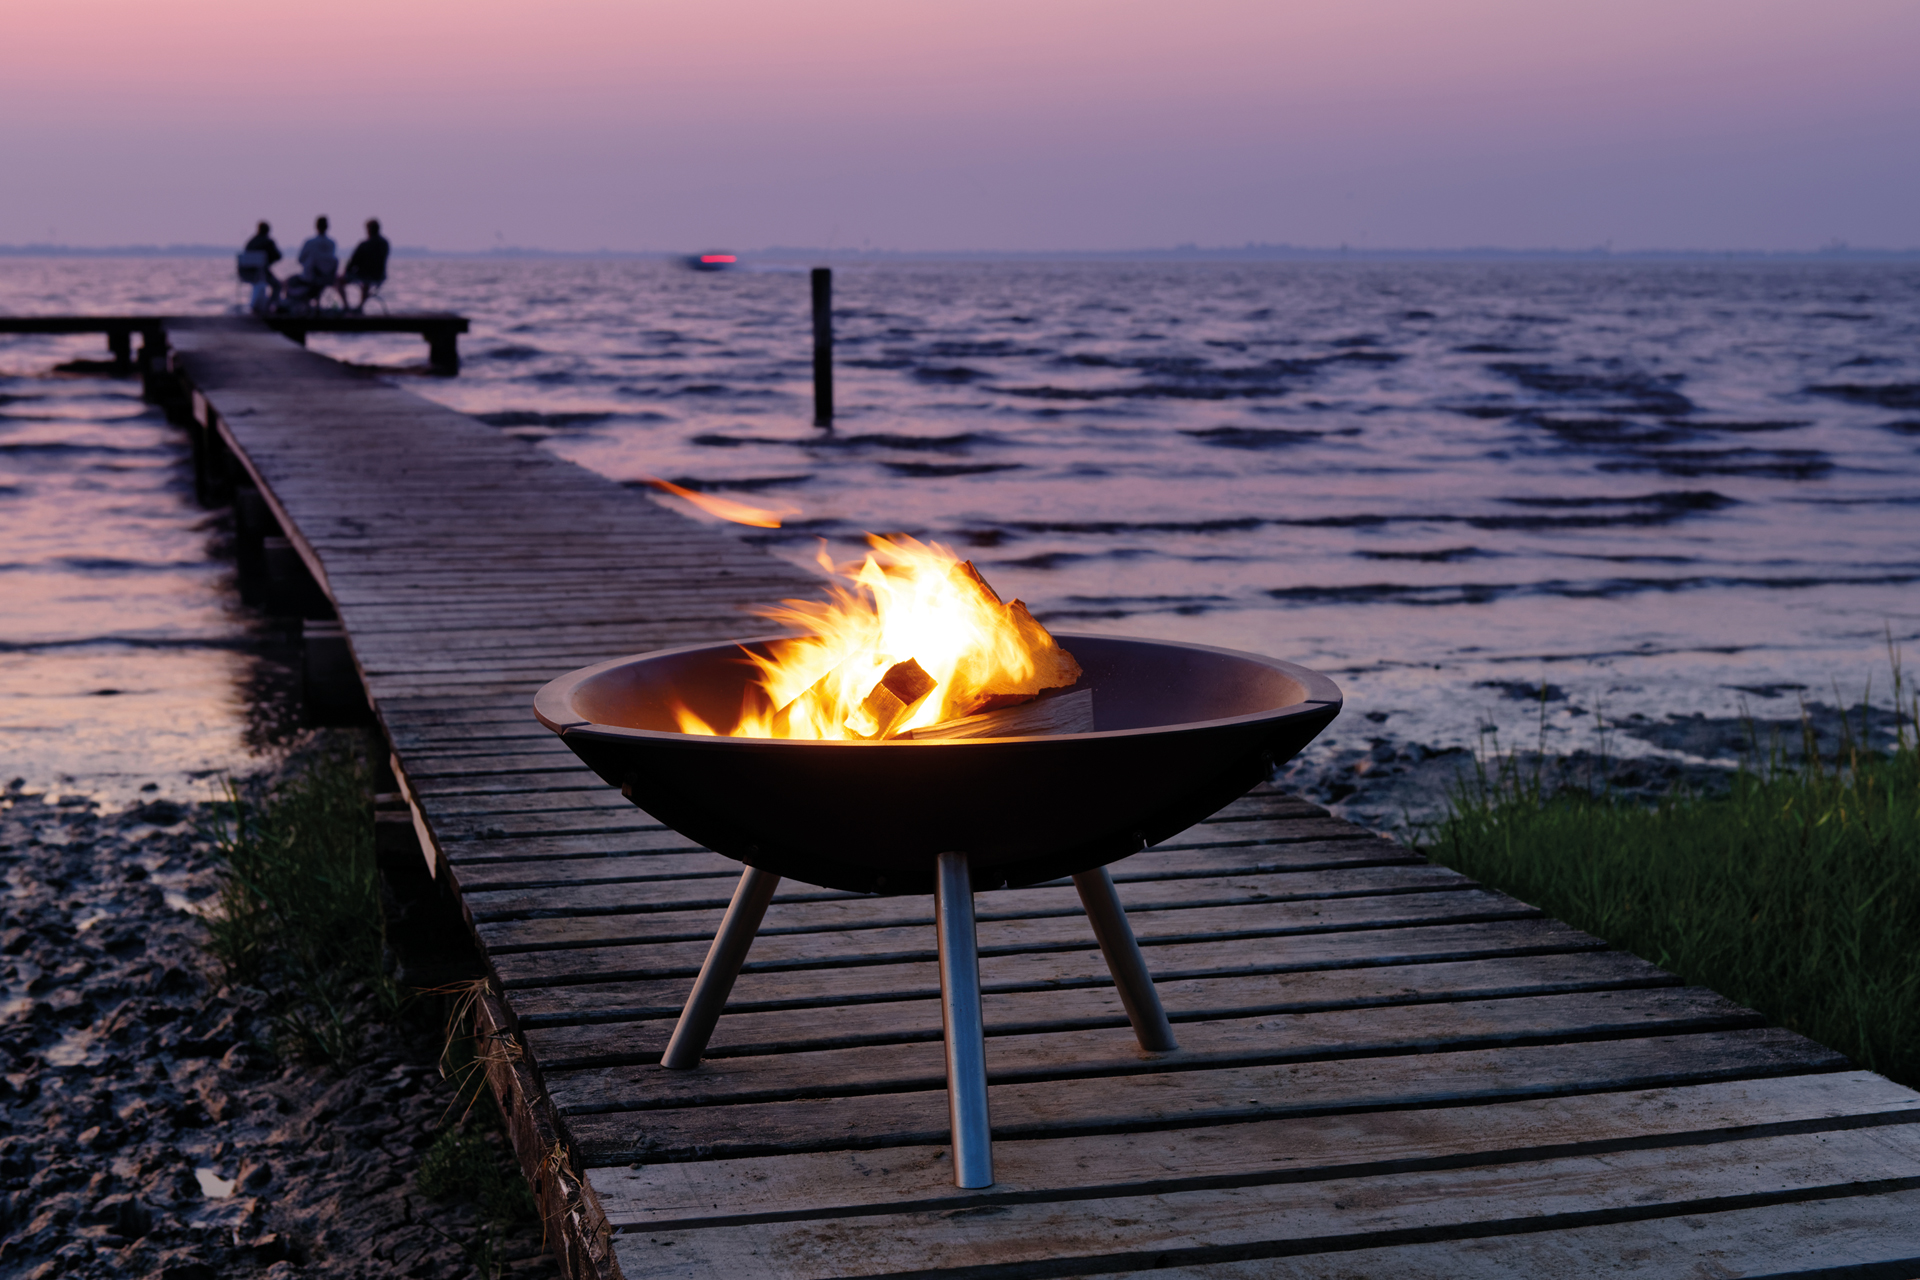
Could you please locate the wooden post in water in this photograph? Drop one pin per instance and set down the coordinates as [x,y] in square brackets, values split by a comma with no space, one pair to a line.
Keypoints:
[823,346]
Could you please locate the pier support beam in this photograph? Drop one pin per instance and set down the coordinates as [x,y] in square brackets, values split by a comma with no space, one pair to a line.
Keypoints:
[443,350]
[823,346]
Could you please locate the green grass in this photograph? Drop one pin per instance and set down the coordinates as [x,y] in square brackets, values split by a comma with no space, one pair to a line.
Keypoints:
[1796,893]
[298,914]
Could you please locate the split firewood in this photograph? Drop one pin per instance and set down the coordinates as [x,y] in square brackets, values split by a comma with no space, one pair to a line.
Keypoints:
[897,696]
[1053,667]
[1052,714]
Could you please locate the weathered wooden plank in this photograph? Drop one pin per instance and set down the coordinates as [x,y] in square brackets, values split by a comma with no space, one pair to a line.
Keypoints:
[572,795]
[602,865]
[1210,1225]
[914,1016]
[710,1193]
[606,945]
[620,897]
[1099,1056]
[480,874]
[1871,1236]
[532,849]
[1054,1108]
[776,987]
[497,826]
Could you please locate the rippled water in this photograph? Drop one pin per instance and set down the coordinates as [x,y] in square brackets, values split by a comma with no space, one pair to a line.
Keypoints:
[1660,488]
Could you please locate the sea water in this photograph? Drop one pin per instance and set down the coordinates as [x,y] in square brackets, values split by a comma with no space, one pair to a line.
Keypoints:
[1652,490]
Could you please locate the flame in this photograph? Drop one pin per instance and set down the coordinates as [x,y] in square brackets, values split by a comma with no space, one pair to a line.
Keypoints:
[918,638]
[725,508]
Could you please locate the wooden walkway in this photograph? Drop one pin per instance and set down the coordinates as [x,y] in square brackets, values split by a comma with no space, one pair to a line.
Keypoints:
[1384,1070]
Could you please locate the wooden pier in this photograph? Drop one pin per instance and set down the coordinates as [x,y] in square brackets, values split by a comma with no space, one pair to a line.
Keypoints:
[441,329]
[1385,1070]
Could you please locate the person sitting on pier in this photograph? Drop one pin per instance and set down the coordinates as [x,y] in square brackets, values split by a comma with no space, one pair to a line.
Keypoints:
[319,267]
[367,267]
[256,268]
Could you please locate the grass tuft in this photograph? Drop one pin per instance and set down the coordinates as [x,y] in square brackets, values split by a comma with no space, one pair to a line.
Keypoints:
[468,1161]
[1796,893]
[298,914]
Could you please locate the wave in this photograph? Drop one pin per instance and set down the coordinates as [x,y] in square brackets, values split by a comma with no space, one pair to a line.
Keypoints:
[531,418]
[975,350]
[1058,559]
[1894,395]
[941,470]
[961,442]
[1521,691]
[743,484]
[1610,432]
[104,565]
[1440,555]
[1639,392]
[1222,525]
[1594,513]
[1775,464]
[1783,424]
[1571,589]
[1253,437]
[67,448]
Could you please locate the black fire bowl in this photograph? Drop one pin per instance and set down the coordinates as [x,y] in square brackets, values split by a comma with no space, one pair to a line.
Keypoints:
[1181,730]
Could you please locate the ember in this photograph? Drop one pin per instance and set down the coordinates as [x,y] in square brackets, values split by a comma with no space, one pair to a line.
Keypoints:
[918,646]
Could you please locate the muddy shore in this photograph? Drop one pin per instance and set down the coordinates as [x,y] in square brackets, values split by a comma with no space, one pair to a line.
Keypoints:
[147,1126]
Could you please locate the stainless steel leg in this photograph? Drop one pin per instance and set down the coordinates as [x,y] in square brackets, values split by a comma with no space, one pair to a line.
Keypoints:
[724,958]
[1124,962]
[965,1028]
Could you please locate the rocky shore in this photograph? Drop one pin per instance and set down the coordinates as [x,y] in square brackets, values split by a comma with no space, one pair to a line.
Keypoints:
[1381,780]
[147,1126]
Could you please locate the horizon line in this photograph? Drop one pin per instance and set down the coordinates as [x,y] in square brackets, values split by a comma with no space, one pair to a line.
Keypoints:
[1250,251]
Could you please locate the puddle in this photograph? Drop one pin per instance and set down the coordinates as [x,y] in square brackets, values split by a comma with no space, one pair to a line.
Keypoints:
[212,1185]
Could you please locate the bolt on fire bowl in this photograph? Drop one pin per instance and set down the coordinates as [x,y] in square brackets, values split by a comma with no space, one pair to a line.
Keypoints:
[1180,731]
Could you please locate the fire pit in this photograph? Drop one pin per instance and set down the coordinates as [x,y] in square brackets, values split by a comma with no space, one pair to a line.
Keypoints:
[1180,731]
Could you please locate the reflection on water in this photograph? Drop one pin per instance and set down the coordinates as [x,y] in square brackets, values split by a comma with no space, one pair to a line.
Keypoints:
[1663,488]
[127,668]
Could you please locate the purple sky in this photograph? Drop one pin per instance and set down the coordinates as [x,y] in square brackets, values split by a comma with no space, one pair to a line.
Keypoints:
[988,124]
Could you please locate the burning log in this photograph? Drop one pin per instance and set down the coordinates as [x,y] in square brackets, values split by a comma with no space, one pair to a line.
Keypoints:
[1048,714]
[1053,667]
[897,696]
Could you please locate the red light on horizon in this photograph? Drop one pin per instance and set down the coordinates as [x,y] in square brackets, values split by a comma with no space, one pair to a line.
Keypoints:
[716,257]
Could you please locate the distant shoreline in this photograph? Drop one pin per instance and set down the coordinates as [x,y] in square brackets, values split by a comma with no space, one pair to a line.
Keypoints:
[1180,253]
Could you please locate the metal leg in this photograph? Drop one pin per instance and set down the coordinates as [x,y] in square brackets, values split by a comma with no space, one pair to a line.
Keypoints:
[965,1029]
[1129,969]
[724,958]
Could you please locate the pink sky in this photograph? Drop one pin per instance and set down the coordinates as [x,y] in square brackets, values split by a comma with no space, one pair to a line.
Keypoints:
[989,124]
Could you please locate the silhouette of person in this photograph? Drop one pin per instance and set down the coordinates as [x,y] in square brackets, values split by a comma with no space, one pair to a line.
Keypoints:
[319,264]
[367,267]
[266,285]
